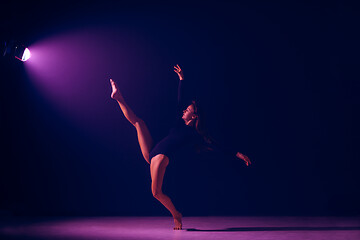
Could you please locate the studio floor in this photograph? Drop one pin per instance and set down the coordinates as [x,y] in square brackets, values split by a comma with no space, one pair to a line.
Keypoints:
[103,228]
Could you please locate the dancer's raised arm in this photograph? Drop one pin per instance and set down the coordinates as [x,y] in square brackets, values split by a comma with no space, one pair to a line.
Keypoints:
[182,92]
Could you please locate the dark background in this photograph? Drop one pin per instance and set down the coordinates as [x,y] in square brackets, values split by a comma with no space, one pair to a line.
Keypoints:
[278,81]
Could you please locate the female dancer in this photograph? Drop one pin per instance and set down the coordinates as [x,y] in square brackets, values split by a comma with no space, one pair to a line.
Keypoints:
[186,133]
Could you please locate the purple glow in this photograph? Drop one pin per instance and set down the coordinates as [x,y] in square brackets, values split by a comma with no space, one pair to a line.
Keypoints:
[106,228]
[26,55]
[72,70]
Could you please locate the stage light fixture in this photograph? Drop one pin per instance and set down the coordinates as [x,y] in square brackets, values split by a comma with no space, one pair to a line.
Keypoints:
[17,50]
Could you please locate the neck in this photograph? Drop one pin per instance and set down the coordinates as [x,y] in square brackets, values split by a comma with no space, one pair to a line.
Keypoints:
[189,123]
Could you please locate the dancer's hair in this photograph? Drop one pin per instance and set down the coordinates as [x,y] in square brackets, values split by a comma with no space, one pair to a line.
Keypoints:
[200,126]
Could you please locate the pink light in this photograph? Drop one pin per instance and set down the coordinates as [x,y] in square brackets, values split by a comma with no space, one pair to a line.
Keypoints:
[71,70]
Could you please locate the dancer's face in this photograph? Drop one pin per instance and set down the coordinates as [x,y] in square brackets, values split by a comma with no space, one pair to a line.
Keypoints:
[188,113]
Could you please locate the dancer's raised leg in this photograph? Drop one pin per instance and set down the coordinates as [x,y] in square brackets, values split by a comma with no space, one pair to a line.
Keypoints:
[157,169]
[144,137]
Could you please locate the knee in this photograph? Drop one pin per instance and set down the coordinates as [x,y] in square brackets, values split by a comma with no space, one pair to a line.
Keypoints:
[156,193]
[138,122]
[160,159]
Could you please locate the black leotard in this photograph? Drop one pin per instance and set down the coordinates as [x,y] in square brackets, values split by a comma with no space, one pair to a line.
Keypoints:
[182,136]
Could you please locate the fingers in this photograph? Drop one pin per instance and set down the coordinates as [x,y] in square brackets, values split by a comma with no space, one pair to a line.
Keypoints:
[248,162]
[244,158]
[177,67]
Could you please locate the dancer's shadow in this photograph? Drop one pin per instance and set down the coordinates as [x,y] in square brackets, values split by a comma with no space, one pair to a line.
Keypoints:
[255,229]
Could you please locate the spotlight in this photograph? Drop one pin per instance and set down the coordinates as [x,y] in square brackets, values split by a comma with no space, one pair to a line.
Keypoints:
[17,50]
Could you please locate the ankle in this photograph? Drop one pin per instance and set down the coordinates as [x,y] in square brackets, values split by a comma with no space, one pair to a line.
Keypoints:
[119,99]
[177,215]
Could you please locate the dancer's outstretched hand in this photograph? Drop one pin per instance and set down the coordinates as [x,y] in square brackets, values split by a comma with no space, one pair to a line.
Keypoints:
[179,72]
[243,157]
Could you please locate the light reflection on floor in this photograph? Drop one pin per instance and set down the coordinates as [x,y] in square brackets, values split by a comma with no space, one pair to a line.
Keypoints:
[104,228]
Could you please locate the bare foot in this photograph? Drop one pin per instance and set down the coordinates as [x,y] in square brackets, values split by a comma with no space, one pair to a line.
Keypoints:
[178,222]
[116,94]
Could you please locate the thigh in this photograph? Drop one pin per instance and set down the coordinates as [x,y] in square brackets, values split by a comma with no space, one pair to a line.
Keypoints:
[144,138]
[157,169]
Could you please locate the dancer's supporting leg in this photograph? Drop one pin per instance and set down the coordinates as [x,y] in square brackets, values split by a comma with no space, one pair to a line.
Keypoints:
[144,137]
[157,169]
